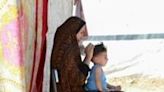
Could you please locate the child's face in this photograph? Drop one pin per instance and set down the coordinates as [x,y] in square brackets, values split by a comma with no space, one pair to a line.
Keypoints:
[101,58]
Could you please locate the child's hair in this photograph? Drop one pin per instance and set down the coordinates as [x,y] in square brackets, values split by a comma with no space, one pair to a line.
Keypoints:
[99,48]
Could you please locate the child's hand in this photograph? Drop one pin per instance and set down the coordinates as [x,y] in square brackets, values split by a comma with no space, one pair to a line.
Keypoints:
[114,88]
[118,88]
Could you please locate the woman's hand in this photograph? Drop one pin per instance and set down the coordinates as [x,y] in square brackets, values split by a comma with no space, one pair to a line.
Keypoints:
[89,53]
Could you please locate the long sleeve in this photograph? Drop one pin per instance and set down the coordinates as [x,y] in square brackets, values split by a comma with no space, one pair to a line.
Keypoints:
[72,73]
[84,68]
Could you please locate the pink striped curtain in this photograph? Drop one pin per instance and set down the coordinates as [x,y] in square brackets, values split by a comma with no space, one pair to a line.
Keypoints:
[23,26]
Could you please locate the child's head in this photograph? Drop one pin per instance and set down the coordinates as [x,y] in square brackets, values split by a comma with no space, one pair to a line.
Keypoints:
[100,54]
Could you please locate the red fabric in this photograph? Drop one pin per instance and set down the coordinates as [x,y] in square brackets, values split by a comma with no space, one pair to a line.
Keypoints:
[35,45]
[39,79]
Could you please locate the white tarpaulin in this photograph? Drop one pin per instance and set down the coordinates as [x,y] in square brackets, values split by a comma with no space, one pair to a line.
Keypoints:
[133,31]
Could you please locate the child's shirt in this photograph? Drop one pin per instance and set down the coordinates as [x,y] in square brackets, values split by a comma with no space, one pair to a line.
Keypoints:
[91,82]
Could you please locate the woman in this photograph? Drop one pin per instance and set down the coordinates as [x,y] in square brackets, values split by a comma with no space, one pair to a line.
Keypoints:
[72,72]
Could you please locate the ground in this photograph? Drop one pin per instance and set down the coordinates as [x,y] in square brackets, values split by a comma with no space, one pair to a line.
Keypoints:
[139,83]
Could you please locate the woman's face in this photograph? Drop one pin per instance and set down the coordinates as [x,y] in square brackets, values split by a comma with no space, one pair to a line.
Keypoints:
[82,34]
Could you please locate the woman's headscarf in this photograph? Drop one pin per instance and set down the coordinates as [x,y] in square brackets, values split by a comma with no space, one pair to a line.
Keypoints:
[65,37]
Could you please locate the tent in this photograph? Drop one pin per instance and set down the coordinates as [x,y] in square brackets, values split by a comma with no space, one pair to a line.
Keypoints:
[132,30]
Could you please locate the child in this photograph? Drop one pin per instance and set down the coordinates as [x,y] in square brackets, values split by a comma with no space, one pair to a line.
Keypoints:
[97,79]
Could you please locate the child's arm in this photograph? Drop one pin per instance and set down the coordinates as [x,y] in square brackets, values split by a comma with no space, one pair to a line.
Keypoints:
[98,78]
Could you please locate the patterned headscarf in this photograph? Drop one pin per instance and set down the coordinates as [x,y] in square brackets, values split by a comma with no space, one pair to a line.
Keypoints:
[65,38]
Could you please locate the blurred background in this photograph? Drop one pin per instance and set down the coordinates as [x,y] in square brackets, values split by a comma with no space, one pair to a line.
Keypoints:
[133,32]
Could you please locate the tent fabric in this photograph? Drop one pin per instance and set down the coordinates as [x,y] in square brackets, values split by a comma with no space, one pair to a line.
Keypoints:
[22,40]
[14,42]
[40,44]
[58,12]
